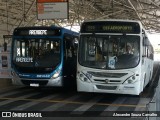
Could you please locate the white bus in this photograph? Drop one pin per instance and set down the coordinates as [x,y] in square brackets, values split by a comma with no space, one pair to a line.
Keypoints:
[114,56]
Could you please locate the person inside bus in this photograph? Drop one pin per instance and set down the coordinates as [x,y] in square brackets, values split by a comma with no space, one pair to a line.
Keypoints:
[55,48]
[128,49]
[99,55]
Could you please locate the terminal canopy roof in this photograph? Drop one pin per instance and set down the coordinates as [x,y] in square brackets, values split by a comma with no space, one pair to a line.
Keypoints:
[18,13]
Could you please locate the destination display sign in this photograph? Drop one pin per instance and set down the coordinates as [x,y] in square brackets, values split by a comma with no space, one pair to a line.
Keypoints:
[24,32]
[52,9]
[37,32]
[110,27]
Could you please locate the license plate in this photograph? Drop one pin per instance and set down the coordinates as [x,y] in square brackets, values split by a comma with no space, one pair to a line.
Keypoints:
[34,84]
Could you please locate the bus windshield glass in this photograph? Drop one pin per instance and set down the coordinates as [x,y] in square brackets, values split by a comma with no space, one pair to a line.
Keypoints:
[39,54]
[109,51]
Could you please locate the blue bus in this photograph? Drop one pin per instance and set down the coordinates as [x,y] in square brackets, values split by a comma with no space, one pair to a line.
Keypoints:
[43,56]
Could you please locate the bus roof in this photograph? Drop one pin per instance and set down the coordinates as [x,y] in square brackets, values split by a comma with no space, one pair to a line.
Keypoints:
[120,20]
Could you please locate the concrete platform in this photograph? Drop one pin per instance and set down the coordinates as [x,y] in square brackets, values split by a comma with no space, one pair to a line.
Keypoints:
[4,82]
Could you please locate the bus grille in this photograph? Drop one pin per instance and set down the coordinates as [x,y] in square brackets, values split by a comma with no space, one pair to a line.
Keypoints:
[106,87]
[40,82]
[111,75]
[107,81]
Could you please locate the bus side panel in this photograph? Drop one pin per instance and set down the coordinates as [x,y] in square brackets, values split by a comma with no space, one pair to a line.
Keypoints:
[70,62]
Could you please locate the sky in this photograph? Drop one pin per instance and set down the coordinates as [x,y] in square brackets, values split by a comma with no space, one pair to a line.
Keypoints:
[155,41]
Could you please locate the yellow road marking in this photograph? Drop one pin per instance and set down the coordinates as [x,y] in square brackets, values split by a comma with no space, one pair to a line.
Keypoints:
[76,102]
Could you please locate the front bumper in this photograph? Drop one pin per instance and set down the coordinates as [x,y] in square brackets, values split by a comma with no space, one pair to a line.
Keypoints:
[40,82]
[133,89]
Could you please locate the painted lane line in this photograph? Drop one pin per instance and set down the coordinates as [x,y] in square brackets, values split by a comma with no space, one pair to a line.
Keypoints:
[120,100]
[7,101]
[85,107]
[31,103]
[60,104]
[74,102]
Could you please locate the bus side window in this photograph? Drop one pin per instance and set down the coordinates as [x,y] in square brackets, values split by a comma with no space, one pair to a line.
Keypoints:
[68,48]
[144,54]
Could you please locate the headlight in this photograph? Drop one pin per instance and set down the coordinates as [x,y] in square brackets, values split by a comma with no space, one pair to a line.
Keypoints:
[56,74]
[84,77]
[130,80]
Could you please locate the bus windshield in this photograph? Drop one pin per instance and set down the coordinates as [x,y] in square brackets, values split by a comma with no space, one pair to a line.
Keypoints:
[39,54]
[109,51]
